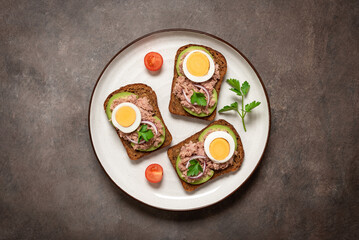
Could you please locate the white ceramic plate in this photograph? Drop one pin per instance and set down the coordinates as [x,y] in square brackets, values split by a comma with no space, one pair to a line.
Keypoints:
[127,67]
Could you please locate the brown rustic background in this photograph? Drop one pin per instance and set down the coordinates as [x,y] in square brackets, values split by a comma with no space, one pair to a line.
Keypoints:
[52,186]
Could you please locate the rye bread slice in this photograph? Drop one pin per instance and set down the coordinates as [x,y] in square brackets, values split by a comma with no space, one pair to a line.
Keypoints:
[141,90]
[175,106]
[173,152]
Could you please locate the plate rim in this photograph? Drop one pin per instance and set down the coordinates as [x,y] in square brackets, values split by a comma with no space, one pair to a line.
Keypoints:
[190,31]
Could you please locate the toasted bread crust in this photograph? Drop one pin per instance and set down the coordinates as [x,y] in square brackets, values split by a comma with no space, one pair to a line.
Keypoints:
[175,106]
[141,90]
[173,152]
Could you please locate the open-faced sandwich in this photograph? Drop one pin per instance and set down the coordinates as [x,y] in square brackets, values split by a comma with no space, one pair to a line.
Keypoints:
[215,150]
[134,113]
[198,75]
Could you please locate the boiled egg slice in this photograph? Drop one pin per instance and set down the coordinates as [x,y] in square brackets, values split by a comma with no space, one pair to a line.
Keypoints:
[198,66]
[126,117]
[219,146]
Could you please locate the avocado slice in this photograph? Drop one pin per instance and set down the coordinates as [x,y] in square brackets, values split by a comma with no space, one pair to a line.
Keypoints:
[115,96]
[215,95]
[211,109]
[188,50]
[109,114]
[152,148]
[196,182]
[221,127]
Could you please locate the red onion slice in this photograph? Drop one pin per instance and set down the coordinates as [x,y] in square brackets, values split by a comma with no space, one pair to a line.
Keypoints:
[143,141]
[204,166]
[152,125]
[205,90]
[185,96]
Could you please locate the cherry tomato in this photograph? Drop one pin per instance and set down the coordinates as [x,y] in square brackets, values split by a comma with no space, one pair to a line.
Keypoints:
[154,173]
[153,61]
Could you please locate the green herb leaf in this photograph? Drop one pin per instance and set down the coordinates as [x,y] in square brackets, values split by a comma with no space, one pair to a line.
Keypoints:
[233,106]
[194,168]
[144,133]
[199,98]
[245,88]
[239,93]
[234,83]
[251,105]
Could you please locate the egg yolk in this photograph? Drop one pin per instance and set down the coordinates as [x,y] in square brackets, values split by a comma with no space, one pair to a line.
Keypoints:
[197,64]
[219,148]
[125,116]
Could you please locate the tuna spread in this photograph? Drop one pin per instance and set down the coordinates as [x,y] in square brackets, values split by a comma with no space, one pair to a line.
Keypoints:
[187,151]
[147,114]
[192,149]
[184,88]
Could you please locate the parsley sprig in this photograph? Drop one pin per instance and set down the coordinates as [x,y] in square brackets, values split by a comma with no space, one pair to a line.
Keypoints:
[144,133]
[194,168]
[199,98]
[241,91]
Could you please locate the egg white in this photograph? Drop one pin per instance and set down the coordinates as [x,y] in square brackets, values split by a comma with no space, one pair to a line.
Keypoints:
[202,78]
[215,135]
[134,126]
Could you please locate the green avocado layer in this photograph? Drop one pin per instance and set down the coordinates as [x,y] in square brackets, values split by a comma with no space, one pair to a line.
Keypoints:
[201,138]
[211,109]
[163,136]
[109,115]
[220,127]
[115,96]
[189,49]
[198,181]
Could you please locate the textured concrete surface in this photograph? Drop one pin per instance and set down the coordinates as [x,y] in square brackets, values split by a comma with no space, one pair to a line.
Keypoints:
[51,185]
